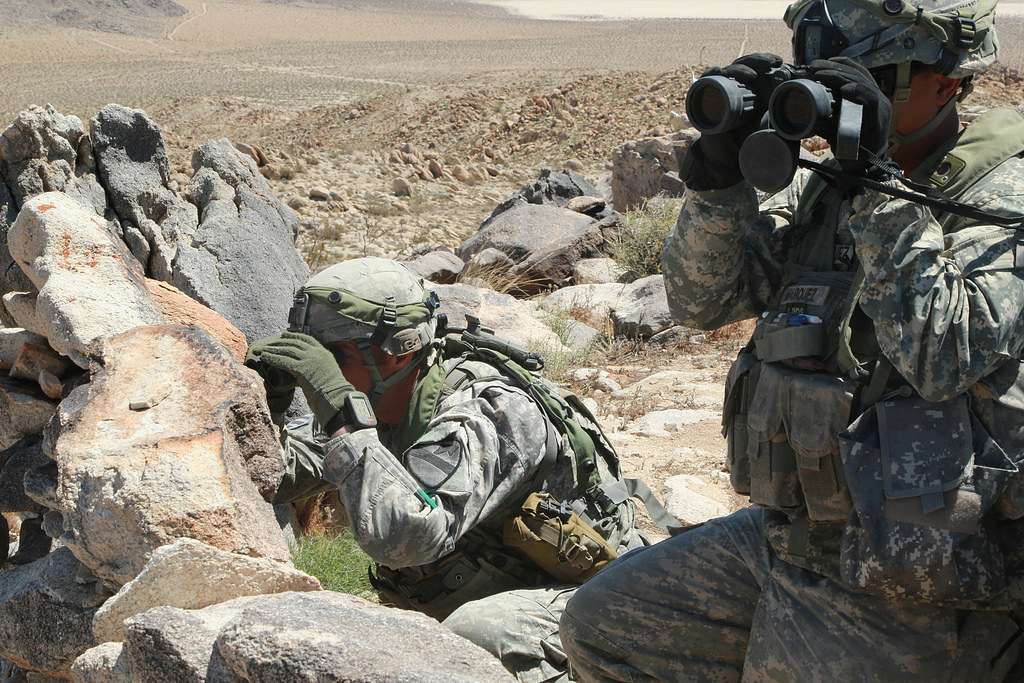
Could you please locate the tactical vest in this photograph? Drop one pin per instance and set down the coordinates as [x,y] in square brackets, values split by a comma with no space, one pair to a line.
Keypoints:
[818,423]
[580,472]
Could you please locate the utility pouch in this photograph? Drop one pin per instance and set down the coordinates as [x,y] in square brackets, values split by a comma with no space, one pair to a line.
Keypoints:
[774,481]
[809,320]
[923,477]
[819,409]
[739,387]
[557,540]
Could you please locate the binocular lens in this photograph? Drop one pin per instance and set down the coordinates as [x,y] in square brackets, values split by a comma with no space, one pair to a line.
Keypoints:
[798,108]
[717,104]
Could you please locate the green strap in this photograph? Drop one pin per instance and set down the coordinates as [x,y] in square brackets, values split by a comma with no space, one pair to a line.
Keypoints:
[665,520]
[876,386]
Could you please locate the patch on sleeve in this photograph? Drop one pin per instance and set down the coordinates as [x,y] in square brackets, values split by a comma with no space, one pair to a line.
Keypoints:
[434,464]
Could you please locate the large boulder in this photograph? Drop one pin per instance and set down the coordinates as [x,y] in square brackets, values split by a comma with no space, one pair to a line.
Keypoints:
[87,291]
[642,310]
[242,261]
[511,319]
[642,169]
[356,641]
[165,442]
[179,309]
[543,243]
[106,663]
[552,188]
[192,575]
[440,266]
[46,611]
[320,636]
[592,304]
[43,151]
[132,163]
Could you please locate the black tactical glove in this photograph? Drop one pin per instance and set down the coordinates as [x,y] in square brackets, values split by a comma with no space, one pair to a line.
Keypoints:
[712,162]
[853,82]
[279,385]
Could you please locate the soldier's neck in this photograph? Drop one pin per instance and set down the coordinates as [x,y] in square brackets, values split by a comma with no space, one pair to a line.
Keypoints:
[910,155]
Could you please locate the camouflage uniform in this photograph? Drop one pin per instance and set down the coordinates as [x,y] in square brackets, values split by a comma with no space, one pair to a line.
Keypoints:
[439,544]
[885,543]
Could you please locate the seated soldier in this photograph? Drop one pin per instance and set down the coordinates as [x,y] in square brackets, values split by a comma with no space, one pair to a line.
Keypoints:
[483,496]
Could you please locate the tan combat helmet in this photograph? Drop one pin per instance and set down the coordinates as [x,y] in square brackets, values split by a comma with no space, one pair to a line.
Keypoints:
[373,302]
[956,37]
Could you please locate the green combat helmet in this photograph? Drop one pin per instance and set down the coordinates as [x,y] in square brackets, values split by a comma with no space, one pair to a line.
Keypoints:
[956,37]
[373,302]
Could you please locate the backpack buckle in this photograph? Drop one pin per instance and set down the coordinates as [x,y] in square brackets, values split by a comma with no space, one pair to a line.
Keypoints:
[561,510]
[966,33]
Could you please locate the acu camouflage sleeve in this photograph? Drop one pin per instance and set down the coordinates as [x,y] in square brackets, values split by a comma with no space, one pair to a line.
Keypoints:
[946,308]
[484,447]
[723,260]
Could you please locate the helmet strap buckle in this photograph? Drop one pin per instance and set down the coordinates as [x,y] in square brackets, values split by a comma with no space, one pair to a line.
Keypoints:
[966,33]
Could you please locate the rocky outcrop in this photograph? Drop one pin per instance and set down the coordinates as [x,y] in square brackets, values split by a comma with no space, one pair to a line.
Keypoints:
[86,290]
[647,168]
[46,611]
[242,262]
[184,431]
[191,575]
[592,304]
[320,636]
[133,167]
[542,242]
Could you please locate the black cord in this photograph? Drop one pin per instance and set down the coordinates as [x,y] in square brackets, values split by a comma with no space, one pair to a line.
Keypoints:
[920,194]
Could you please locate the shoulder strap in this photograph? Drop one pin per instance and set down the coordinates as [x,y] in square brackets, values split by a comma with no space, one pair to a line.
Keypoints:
[988,141]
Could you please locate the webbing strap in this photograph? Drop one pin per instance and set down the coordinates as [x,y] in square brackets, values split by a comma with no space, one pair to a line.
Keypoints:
[666,521]
[791,342]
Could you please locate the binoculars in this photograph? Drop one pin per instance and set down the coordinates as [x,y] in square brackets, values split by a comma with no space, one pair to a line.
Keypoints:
[797,108]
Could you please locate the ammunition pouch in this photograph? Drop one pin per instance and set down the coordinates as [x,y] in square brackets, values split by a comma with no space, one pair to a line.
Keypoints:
[557,540]
[781,426]
[923,478]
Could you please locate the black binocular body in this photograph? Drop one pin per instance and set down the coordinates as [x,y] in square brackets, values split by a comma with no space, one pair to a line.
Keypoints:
[797,107]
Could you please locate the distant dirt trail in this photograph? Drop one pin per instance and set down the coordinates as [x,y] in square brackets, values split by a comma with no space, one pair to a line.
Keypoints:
[190,18]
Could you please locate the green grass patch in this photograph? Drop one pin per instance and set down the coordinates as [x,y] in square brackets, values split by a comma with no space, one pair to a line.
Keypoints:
[638,246]
[337,561]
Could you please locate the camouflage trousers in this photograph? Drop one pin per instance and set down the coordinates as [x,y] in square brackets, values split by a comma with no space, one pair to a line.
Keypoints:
[715,604]
[520,628]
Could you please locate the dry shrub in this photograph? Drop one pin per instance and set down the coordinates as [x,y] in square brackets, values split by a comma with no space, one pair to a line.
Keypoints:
[638,246]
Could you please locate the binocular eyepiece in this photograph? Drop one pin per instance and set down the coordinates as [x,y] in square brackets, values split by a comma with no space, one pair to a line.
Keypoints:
[788,107]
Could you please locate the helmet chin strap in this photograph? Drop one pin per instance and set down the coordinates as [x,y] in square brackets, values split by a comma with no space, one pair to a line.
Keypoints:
[897,140]
[380,385]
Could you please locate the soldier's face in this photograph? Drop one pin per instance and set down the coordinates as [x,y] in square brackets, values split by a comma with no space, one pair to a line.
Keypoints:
[350,360]
[929,92]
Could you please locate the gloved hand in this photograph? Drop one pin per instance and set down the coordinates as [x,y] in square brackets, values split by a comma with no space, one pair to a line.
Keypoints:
[279,385]
[314,369]
[712,162]
[853,82]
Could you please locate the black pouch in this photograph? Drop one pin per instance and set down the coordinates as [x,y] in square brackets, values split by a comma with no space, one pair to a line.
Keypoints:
[922,477]
[738,389]
[774,481]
